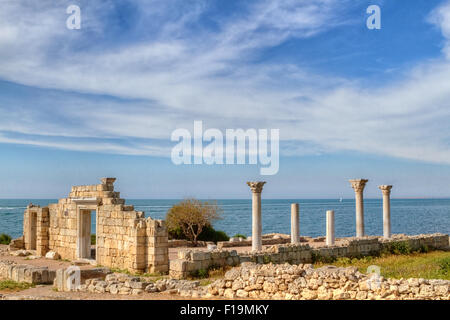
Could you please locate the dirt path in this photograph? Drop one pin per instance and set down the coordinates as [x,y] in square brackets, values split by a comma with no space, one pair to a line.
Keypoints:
[48,293]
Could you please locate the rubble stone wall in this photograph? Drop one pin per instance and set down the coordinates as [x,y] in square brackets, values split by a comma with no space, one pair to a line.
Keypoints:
[26,273]
[303,282]
[189,261]
[125,239]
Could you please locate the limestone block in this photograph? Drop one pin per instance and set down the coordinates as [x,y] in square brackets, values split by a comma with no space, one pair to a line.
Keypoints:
[52,255]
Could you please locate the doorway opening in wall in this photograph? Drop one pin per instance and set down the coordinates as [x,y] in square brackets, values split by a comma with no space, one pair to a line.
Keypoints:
[88,234]
[33,230]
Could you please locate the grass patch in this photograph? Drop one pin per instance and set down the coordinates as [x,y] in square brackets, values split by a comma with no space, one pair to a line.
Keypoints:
[5,238]
[9,285]
[431,265]
[209,274]
[205,282]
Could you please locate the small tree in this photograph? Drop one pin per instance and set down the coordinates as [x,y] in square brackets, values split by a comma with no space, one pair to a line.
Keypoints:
[191,216]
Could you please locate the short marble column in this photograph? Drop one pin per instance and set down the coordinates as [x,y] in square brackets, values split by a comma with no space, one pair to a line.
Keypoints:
[330,228]
[358,185]
[295,229]
[386,210]
[256,188]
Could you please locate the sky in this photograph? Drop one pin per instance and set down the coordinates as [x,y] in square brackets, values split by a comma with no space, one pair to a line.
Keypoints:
[350,102]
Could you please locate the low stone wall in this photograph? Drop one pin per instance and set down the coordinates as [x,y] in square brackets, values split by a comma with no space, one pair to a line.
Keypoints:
[189,262]
[26,273]
[63,279]
[247,243]
[303,282]
[186,243]
[122,284]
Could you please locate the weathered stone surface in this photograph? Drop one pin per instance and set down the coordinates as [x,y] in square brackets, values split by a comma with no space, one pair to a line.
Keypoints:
[286,281]
[26,273]
[52,255]
[125,239]
[192,260]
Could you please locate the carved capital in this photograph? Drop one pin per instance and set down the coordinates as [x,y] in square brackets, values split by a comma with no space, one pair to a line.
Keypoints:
[256,187]
[358,184]
[385,189]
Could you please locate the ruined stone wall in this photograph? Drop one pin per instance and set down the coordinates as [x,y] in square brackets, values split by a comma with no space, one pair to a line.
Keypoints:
[125,239]
[190,261]
[26,273]
[303,282]
[39,240]
[62,231]
[157,246]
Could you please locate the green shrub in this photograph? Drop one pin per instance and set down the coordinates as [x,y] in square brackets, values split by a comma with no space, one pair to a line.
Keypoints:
[208,234]
[176,234]
[200,273]
[93,239]
[401,247]
[238,235]
[317,258]
[5,238]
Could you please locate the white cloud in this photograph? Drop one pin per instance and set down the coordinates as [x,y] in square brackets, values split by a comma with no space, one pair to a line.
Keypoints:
[175,77]
[441,18]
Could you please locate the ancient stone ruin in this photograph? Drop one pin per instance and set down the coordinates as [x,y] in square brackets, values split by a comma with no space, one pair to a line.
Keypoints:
[125,239]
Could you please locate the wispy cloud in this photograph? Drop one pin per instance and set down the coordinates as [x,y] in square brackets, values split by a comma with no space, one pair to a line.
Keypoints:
[182,70]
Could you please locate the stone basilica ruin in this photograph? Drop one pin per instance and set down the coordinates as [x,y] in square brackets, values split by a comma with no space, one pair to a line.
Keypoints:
[271,268]
[125,239]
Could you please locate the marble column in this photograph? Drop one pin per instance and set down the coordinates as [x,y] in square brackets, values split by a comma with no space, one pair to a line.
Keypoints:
[256,188]
[330,228]
[295,229]
[358,185]
[386,210]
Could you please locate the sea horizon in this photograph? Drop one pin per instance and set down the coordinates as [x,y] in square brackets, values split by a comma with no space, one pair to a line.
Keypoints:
[408,216]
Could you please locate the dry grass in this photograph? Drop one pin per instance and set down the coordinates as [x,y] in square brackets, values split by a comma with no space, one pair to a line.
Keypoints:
[432,265]
[13,286]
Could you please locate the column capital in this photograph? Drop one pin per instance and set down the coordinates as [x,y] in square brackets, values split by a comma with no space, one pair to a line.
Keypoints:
[358,184]
[386,189]
[256,186]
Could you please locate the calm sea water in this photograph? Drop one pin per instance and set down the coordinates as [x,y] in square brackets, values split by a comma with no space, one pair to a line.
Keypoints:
[409,216]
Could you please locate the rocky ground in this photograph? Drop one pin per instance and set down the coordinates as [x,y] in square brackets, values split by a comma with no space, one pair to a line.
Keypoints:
[249,281]
[303,282]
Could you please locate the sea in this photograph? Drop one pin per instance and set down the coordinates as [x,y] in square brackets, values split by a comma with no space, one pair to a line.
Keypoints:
[408,216]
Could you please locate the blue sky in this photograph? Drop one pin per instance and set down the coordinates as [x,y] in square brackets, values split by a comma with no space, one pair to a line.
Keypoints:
[77,105]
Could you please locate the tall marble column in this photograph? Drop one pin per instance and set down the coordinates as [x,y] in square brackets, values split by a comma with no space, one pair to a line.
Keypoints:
[330,228]
[386,210]
[295,229]
[256,188]
[358,185]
